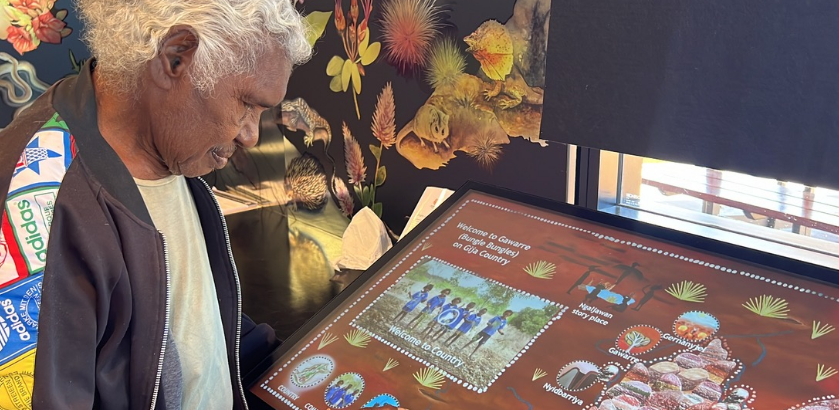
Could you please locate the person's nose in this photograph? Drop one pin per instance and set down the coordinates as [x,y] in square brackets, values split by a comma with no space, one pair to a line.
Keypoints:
[248,135]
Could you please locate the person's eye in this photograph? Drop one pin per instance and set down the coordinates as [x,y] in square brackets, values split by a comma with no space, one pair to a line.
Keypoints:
[248,110]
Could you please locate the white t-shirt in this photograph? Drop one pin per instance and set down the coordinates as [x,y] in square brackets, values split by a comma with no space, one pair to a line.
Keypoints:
[194,321]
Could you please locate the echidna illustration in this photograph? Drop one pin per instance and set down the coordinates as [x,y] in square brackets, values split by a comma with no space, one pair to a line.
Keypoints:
[305,182]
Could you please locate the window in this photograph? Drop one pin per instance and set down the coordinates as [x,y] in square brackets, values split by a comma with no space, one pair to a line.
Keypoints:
[786,218]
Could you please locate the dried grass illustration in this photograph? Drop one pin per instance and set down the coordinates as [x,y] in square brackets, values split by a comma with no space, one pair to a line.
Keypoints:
[357,338]
[688,291]
[824,372]
[430,377]
[466,97]
[820,330]
[326,340]
[390,365]
[538,374]
[541,270]
[768,306]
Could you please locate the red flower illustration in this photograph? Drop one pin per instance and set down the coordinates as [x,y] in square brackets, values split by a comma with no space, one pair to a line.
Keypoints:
[340,21]
[48,28]
[354,11]
[21,39]
[33,8]
[362,28]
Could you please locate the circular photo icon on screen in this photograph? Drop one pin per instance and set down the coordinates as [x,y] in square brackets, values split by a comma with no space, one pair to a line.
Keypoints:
[696,326]
[344,390]
[312,371]
[578,375]
[638,339]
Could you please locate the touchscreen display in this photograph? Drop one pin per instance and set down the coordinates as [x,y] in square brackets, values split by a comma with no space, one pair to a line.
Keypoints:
[502,305]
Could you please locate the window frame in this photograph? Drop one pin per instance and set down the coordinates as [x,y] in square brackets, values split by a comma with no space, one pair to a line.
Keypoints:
[587,194]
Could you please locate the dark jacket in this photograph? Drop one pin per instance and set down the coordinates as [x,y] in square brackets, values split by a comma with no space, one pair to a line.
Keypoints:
[103,326]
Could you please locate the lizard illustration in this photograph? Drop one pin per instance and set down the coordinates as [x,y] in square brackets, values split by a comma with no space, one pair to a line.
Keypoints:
[492,46]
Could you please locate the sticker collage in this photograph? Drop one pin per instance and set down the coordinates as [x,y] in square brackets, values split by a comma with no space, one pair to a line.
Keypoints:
[502,305]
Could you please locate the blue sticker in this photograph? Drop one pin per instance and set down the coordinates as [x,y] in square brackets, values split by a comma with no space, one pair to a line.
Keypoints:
[20,304]
[381,400]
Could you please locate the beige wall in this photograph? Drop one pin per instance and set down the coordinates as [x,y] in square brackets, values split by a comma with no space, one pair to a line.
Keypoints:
[630,179]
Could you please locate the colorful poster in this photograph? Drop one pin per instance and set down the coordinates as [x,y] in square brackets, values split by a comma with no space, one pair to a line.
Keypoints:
[405,94]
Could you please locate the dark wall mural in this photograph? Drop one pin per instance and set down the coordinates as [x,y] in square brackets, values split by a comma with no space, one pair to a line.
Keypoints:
[400,95]
[403,94]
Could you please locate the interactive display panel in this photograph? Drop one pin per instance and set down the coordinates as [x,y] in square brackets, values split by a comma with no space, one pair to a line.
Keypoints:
[496,303]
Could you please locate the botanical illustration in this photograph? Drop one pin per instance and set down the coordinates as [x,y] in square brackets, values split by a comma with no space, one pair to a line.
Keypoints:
[820,329]
[688,291]
[27,23]
[477,113]
[430,377]
[383,129]
[346,72]
[482,85]
[768,306]
[541,270]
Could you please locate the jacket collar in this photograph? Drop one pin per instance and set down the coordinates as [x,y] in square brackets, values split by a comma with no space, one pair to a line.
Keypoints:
[75,102]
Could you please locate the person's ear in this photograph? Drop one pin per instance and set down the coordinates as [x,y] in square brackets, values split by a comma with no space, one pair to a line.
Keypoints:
[175,57]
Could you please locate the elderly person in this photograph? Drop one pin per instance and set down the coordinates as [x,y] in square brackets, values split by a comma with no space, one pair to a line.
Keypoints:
[118,285]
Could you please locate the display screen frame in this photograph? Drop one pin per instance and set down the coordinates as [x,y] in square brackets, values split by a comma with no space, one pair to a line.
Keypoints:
[780,264]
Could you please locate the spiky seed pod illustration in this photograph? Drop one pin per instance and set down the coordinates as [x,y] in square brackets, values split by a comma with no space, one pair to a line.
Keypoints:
[445,63]
[486,152]
[408,27]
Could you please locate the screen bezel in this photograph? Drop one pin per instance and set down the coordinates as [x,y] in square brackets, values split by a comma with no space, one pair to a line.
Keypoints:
[780,264]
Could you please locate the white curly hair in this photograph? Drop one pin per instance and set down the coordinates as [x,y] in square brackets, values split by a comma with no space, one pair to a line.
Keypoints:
[123,35]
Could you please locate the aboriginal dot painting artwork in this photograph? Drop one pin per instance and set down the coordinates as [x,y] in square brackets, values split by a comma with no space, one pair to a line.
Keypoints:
[498,304]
